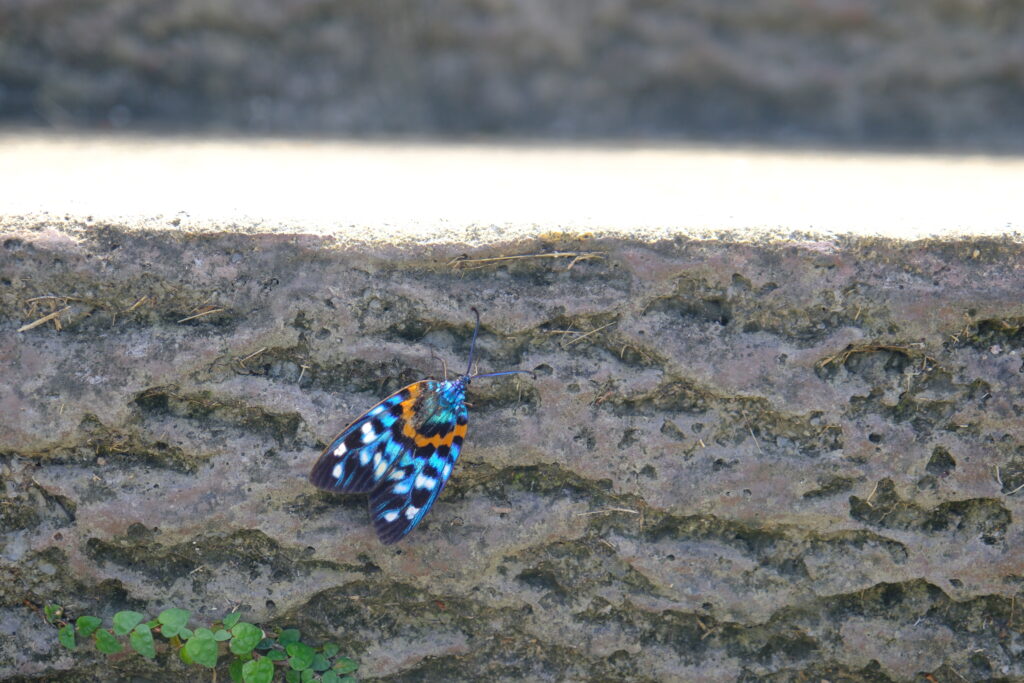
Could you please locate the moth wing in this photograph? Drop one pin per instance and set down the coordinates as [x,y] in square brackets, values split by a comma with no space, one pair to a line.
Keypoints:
[415,482]
[362,455]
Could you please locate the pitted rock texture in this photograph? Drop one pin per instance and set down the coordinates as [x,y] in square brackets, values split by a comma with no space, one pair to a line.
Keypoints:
[790,460]
[941,74]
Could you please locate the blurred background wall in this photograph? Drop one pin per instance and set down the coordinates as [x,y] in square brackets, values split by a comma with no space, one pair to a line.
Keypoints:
[945,74]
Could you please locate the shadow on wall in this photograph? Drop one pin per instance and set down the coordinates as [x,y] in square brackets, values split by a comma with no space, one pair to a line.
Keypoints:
[847,72]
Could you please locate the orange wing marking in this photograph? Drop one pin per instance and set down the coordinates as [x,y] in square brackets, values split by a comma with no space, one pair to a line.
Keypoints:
[409,431]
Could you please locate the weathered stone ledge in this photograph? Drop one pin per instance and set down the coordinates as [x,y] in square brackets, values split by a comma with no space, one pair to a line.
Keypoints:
[739,459]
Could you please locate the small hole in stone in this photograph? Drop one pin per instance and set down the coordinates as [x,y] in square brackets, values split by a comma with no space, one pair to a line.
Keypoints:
[544,369]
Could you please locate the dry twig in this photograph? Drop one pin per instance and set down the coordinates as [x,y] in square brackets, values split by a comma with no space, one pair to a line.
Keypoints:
[241,361]
[1010,493]
[45,319]
[845,354]
[756,442]
[137,304]
[200,315]
[587,334]
[607,510]
[871,495]
[576,256]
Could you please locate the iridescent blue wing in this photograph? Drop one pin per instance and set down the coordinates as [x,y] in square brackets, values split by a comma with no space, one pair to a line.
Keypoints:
[359,458]
[419,476]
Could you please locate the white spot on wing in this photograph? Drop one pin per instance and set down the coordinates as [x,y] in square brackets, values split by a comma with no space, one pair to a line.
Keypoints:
[340,450]
[447,470]
[411,512]
[364,457]
[336,472]
[390,515]
[403,488]
[425,482]
[382,467]
[397,474]
[368,433]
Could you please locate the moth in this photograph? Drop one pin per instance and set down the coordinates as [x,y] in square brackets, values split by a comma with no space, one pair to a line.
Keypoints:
[402,450]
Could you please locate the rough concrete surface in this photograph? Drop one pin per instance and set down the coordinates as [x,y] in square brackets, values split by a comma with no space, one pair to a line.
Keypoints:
[779,459]
[936,74]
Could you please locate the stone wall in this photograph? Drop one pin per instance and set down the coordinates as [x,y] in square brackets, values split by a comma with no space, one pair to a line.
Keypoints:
[934,74]
[786,460]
